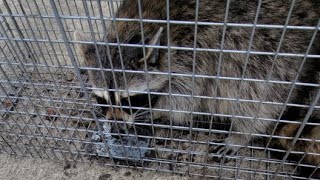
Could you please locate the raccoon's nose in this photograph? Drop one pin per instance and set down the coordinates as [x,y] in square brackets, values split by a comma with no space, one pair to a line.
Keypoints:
[115,114]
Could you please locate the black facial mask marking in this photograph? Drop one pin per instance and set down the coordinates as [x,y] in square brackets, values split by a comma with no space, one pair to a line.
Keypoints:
[140,100]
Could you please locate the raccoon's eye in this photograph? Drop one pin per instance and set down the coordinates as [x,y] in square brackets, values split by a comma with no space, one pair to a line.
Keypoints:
[140,100]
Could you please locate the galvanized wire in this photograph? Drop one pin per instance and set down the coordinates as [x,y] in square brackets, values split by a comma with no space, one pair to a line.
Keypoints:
[48,108]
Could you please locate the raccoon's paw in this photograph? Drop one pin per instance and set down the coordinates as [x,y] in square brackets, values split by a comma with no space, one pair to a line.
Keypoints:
[226,147]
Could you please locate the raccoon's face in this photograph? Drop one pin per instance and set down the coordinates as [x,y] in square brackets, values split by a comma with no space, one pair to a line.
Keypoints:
[126,90]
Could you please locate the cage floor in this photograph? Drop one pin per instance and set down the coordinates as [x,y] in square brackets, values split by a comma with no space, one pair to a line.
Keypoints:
[50,119]
[50,122]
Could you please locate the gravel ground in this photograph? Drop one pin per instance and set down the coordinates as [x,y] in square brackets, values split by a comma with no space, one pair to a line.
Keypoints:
[16,168]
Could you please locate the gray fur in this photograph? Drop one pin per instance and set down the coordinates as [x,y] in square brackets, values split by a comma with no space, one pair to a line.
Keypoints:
[232,65]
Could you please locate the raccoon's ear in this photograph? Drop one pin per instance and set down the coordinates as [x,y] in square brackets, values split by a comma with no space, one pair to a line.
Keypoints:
[152,55]
[83,48]
[86,52]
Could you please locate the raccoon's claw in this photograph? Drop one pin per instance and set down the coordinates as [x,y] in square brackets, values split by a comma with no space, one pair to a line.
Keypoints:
[223,150]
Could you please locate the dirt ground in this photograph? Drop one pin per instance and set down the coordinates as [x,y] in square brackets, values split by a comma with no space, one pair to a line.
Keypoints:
[13,167]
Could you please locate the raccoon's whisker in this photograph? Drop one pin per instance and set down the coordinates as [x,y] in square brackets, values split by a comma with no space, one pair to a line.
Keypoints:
[141,117]
[142,113]
[138,111]
[100,114]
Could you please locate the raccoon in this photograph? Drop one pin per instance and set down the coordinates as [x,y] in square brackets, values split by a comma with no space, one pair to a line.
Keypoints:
[310,132]
[309,141]
[199,84]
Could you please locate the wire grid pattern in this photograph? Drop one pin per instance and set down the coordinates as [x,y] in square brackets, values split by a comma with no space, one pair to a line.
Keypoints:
[48,109]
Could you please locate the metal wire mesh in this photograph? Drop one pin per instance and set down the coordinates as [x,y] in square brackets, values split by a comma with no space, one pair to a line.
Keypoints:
[49,110]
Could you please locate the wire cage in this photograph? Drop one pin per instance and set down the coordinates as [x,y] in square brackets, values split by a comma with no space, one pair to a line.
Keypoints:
[49,110]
